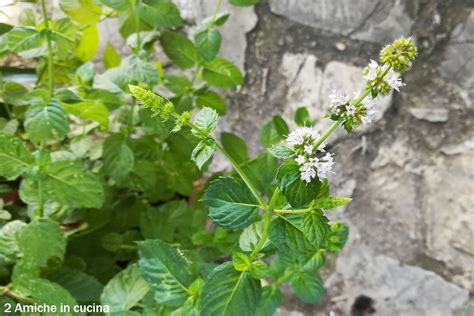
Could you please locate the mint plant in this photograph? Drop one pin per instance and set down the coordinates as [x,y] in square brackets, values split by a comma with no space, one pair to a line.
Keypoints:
[105,206]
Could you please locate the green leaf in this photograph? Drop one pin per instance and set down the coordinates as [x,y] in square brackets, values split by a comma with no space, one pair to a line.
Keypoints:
[119,5]
[208,43]
[206,120]
[271,299]
[259,270]
[82,286]
[274,131]
[179,85]
[229,292]
[261,170]
[81,11]
[302,117]
[222,73]
[242,3]
[42,240]
[212,100]
[251,236]
[125,290]
[159,13]
[165,269]
[69,184]
[315,227]
[88,43]
[27,42]
[298,192]
[44,122]
[338,237]
[281,152]
[43,291]
[241,261]
[286,234]
[231,203]
[118,157]
[308,286]
[14,157]
[330,202]
[235,147]
[202,153]
[111,57]
[89,110]
[179,49]
[9,248]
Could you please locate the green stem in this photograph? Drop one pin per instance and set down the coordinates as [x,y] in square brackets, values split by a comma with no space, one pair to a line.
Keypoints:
[130,118]
[326,134]
[267,218]
[292,211]
[137,26]
[216,10]
[50,48]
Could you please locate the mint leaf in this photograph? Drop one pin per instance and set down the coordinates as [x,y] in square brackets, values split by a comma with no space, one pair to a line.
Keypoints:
[165,269]
[230,292]
[235,147]
[179,49]
[69,184]
[9,248]
[315,227]
[202,152]
[330,202]
[208,43]
[212,100]
[298,192]
[118,157]
[124,290]
[159,13]
[44,122]
[302,117]
[308,286]
[231,203]
[81,11]
[14,157]
[274,131]
[281,152]
[206,120]
[222,73]
[271,299]
[42,240]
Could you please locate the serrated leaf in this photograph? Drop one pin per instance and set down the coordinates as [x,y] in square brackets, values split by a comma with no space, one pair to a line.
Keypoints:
[88,43]
[274,131]
[118,157]
[165,269]
[14,157]
[315,227]
[26,41]
[299,193]
[286,234]
[271,299]
[69,184]
[179,49]
[202,153]
[261,170]
[212,100]
[235,147]
[206,120]
[125,289]
[208,43]
[222,73]
[82,286]
[308,286]
[44,122]
[160,13]
[46,292]
[42,240]
[81,11]
[231,203]
[229,292]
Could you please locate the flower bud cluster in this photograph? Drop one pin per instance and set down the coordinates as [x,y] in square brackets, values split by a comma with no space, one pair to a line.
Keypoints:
[349,110]
[159,105]
[399,54]
[313,162]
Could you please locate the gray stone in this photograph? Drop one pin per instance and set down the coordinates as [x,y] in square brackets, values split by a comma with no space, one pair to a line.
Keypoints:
[377,21]
[460,148]
[458,65]
[396,288]
[430,115]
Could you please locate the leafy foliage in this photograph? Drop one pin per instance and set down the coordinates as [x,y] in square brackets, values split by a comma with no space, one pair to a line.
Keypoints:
[105,193]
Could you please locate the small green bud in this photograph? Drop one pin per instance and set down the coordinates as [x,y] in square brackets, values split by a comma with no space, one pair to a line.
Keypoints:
[157,104]
[184,118]
[399,54]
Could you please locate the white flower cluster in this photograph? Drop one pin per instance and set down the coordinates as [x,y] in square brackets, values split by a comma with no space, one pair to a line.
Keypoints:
[392,78]
[302,140]
[341,104]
